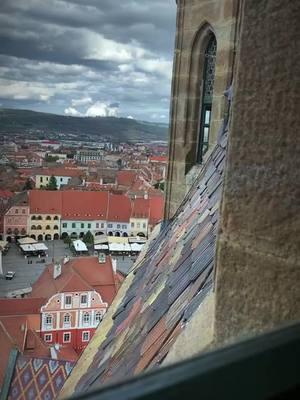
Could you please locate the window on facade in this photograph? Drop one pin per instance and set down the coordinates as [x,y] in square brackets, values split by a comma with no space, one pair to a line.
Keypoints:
[82,225]
[86,319]
[98,317]
[118,226]
[64,225]
[39,217]
[102,225]
[61,179]
[41,179]
[48,337]
[207,96]
[85,336]
[68,301]
[55,218]
[33,227]
[144,225]
[48,321]
[55,227]
[109,225]
[67,319]
[97,225]
[89,226]
[23,211]
[123,226]
[39,227]
[138,225]
[73,225]
[48,218]
[16,211]
[48,227]
[67,337]
[33,218]
[83,299]
[132,224]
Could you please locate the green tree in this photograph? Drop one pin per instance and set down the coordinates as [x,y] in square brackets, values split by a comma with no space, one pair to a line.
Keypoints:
[28,184]
[88,238]
[52,185]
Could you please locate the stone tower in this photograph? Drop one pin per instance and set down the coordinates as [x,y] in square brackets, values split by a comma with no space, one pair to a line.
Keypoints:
[203,66]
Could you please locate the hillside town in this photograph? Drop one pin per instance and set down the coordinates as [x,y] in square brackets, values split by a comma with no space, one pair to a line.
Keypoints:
[74,218]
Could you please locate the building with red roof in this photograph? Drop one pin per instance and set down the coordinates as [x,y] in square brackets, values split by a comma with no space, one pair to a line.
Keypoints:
[78,293]
[126,178]
[61,174]
[118,217]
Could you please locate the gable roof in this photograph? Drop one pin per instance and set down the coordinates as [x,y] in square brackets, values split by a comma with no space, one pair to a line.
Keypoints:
[119,208]
[84,205]
[126,178]
[79,274]
[45,201]
[140,208]
[38,377]
[164,290]
[24,306]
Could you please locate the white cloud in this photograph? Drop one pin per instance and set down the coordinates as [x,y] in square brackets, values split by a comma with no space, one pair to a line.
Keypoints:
[101,110]
[82,102]
[72,111]
[130,117]
[100,48]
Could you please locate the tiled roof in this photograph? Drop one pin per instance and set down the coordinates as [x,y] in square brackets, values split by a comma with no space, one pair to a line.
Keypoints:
[156,209]
[125,178]
[159,159]
[84,205]
[165,288]
[38,378]
[72,172]
[45,201]
[21,306]
[119,208]
[79,274]
[140,208]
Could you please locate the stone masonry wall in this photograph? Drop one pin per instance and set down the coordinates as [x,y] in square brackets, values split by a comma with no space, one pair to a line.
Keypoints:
[258,253]
[194,18]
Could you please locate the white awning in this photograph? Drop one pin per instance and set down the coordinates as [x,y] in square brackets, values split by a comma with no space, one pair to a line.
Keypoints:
[136,247]
[101,247]
[101,239]
[79,245]
[34,247]
[40,247]
[26,240]
[119,247]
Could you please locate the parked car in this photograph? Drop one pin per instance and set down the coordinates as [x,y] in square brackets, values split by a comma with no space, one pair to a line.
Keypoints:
[10,275]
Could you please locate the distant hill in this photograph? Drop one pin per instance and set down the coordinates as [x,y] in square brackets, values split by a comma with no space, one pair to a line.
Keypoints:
[31,123]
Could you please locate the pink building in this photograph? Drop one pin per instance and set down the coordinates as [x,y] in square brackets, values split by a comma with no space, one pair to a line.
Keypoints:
[15,220]
[78,293]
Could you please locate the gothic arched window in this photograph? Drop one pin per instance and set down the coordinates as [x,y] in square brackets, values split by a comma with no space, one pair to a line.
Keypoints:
[207,96]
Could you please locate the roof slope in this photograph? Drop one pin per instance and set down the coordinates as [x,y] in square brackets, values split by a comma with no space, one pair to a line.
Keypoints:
[79,274]
[38,378]
[21,306]
[164,290]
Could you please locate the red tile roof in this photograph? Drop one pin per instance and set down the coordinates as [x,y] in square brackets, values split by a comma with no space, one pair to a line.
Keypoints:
[6,194]
[160,159]
[84,205]
[21,306]
[126,178]
[156,209]
[72,172]
[79,274]
[45,201]
[119,208]
[140,208]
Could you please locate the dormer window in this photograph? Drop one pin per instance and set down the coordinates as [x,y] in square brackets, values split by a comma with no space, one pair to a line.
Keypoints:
[83,300]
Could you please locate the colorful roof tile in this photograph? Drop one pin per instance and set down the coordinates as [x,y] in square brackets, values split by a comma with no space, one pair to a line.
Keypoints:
[165,288]
[38,378]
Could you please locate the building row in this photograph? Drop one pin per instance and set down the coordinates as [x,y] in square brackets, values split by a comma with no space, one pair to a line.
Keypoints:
[51,215]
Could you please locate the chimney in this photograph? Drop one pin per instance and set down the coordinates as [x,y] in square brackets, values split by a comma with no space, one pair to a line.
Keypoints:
[53,352]
[114,265]
[56,270]
[101,258]
[66,259]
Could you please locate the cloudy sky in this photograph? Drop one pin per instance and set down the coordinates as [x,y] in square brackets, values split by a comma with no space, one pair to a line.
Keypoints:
[87,57]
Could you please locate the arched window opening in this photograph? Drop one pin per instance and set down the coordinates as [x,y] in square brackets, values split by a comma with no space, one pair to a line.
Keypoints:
[207,96]
[48,218]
